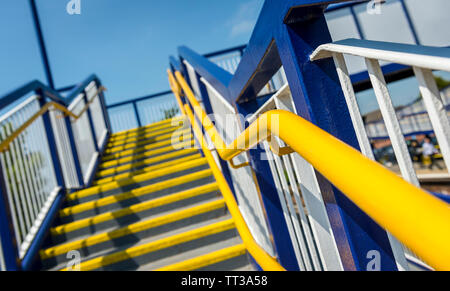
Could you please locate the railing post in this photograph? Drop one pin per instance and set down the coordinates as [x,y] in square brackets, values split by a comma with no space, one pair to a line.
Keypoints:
[7,236]
[104,109]
[272,204]
[73,147]
[91,121]
[319,98]
[136,113]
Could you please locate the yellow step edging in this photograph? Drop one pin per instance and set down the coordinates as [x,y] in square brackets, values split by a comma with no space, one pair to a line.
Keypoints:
[140,132]
[156,245]
[180,118]
[129,152]
[184,145]
[146,162]
[146,170]
[135,193]
[116,184]
[144,137]
[208,259]
[132,229]
[69,227]
[154,140]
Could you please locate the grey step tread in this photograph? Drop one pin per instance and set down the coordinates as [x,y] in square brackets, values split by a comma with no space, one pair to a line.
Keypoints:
[133,186]
[117,205]
[183,255]
[151,232]
[142,159]
[143,241]
[133,218]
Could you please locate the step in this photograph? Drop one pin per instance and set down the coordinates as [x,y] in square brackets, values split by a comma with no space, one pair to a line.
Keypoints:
[134,213]
[147,169]
[126,184]
[132,258]
[151,227]
[156,124]
[138,195]
[210,259]
[187,147]
[145,163]
[143,131]
[172,141]
[157,139]
[145,137]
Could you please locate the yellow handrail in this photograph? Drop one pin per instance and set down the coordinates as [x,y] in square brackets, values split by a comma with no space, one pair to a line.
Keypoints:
[264,260]
[4,145]
[415,217]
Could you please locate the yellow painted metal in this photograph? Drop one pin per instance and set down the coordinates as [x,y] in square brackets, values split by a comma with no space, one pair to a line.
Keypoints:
[131,229]
[164,243]
[147,169]
[111,186]
[413,216]
[184,145]
[146,162]
[142,132]
[144,137]
[150,126]
[153,141]
[264,260]
[208,259]
[4,145]
[135,193]
[83,223]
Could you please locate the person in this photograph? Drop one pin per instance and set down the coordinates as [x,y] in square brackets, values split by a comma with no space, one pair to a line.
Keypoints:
[428,152]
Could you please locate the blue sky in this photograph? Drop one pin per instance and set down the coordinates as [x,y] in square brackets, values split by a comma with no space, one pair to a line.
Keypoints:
[126,43]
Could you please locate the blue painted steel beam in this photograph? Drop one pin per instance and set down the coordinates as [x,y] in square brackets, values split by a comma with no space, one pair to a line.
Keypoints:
[41,42]
[319,98]
[7,234]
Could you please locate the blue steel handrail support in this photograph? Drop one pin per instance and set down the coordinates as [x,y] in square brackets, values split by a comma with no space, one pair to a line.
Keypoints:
[286,33]
[9,244]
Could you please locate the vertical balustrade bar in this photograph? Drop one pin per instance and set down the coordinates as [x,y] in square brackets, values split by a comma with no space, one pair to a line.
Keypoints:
[318,97]
[392,124]
[436,110]
[73,151]
[363,140]
[91,121]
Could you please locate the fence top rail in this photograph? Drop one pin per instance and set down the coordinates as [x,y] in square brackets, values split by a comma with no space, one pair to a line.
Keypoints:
[393,204]
[139,99]
[435,58]
[46,92]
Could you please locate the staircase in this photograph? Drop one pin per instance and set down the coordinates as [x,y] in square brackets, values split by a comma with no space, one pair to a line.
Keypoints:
[154,205]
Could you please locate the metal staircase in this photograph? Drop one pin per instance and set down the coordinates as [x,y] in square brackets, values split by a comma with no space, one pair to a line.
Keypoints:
[154,205]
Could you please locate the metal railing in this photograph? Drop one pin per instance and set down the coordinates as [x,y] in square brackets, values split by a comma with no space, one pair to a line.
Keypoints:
[299,223]
[49,146]
[379,200]
[142,111]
